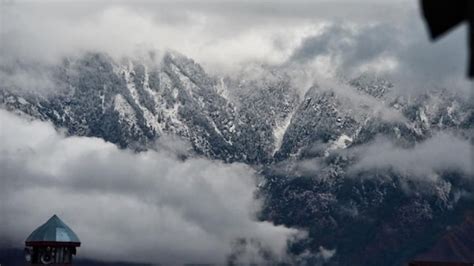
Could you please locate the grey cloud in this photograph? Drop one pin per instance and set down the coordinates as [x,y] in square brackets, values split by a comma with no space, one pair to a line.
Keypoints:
[399,51]
[326,254]
[149,206]
[425,161]
[35,78]
[351,45]
[322,257]
[224,36]
[426,166]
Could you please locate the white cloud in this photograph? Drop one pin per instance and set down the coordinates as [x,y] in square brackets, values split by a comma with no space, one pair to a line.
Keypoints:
[424,161]
[148,206]
[325,253]
[322,257]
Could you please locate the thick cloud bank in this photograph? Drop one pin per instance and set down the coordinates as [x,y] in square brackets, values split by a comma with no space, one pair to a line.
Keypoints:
[148,206]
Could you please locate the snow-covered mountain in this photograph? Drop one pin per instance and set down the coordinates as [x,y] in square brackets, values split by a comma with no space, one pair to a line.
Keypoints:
[265,121]
[132,104]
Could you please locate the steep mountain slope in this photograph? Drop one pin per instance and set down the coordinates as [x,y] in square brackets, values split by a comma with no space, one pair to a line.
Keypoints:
[302,144]
[131,105]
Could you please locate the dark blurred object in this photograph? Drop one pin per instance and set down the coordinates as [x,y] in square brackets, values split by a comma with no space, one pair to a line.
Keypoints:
[457,244]
[444,15]
[432,263]
[14,257]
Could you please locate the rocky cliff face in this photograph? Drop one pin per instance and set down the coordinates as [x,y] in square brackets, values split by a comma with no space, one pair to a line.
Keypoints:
[301,143]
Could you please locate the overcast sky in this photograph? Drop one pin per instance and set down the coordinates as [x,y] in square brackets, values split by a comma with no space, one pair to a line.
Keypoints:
[328,37]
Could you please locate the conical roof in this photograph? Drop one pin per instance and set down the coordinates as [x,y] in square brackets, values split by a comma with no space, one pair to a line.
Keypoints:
[54,230]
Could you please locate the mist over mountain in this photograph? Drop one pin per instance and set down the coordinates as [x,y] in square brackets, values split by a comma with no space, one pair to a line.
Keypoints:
[296,133]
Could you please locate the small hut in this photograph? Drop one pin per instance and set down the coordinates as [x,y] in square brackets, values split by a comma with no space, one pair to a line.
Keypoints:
[53,243]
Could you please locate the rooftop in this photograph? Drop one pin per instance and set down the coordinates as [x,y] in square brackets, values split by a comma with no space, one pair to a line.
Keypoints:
[54,230]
